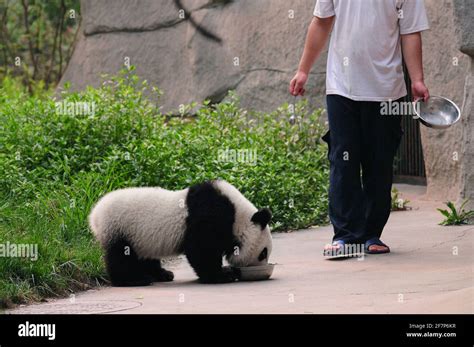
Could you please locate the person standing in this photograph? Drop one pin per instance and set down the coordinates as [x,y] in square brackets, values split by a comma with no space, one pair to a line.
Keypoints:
[369,38]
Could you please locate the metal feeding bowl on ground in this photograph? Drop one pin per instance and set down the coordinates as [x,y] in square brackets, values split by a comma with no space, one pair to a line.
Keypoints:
[438,112]
[255,273]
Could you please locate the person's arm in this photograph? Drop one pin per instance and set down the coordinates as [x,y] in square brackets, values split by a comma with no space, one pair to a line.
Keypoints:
[318,33]
[412,53]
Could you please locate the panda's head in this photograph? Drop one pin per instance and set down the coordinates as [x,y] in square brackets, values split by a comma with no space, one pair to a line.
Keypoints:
[253,237]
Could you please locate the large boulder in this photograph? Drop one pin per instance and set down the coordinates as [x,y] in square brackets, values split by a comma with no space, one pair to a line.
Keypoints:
[445,74]
[467,165]
[448,61]
[250,46]
[464,13]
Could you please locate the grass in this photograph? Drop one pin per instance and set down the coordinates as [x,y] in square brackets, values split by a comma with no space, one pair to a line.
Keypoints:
[55,165]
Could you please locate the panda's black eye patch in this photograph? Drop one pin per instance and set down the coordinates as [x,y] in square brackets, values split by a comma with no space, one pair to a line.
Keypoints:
[263,254]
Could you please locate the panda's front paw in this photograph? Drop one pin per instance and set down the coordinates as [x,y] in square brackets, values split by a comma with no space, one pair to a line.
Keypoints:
[227,275]
[234,273]
[163,276]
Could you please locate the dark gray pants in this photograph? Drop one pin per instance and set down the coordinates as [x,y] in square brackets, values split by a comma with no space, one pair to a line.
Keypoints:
[362,145]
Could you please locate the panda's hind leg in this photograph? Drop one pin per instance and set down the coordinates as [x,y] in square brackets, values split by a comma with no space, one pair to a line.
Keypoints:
[123,266]
[153,268]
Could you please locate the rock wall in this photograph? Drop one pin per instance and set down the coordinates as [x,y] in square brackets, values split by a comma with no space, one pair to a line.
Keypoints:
[258,53]
[445,73]
[466,184]
[449,154]
[464,10]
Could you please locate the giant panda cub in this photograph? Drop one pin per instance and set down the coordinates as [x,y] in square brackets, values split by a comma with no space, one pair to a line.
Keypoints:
[139,226]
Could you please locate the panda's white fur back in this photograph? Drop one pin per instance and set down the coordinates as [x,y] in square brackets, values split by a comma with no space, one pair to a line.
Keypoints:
[153,218]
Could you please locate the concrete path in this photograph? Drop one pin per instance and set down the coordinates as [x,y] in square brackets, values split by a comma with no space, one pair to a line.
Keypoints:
[430,270]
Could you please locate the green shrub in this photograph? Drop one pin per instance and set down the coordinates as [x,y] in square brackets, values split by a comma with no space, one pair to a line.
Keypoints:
[54,166]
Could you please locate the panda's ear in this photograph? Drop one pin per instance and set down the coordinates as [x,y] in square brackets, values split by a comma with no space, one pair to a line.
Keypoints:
[262,217]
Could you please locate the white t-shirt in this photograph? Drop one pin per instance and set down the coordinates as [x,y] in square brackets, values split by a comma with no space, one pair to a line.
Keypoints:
[365,56]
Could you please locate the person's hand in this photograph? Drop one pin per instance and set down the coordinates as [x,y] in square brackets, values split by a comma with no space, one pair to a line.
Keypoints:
[297,84]
[419,91]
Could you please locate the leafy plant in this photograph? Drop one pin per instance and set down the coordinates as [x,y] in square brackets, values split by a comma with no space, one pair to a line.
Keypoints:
[456,216]
[398,203]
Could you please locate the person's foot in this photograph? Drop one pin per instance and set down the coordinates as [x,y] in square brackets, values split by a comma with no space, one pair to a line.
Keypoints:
[340,249]
[333,249]
[378,248]
[330,248]
[375,246]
